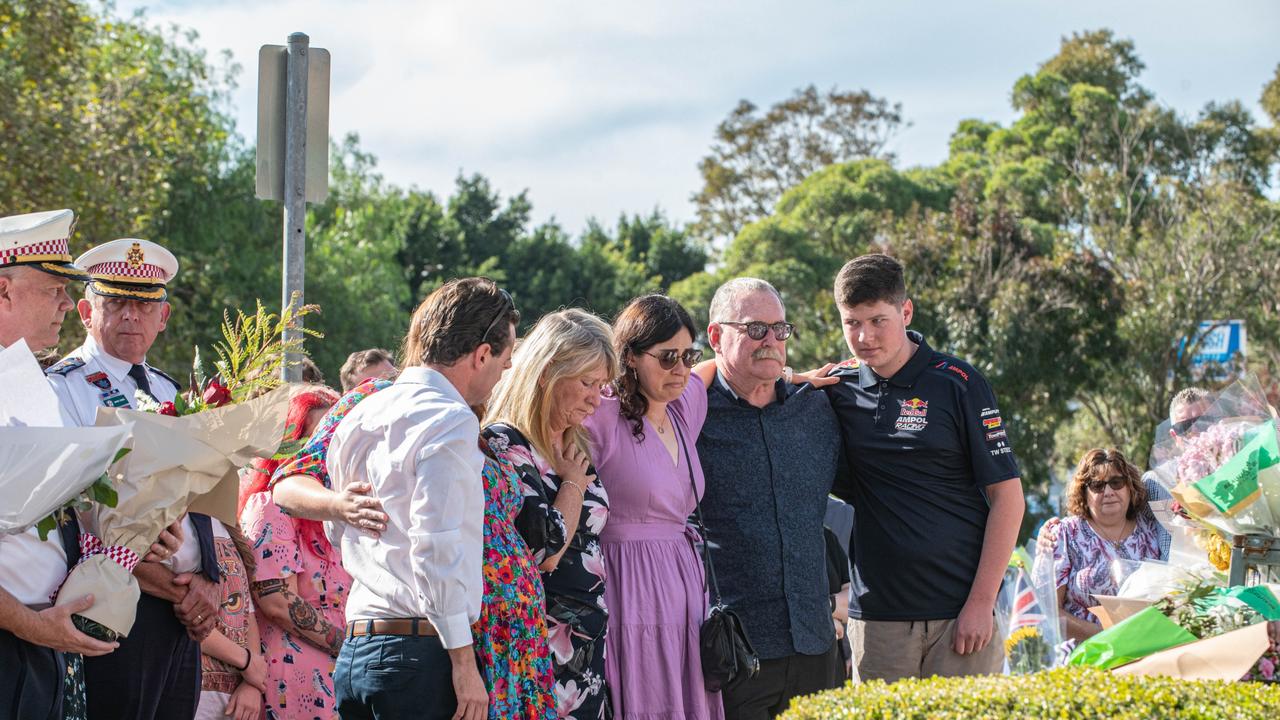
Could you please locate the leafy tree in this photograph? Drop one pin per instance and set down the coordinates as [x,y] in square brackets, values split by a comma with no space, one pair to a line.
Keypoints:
[757,157]
[103,116]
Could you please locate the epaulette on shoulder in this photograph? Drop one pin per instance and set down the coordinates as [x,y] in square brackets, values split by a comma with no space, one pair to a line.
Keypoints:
[164,375]
[64,366]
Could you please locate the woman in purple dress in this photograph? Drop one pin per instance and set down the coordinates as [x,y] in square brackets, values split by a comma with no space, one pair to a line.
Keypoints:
[642,444]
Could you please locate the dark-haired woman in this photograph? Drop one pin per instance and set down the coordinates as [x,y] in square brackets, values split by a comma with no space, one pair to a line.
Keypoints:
[1104,499]
[642,440]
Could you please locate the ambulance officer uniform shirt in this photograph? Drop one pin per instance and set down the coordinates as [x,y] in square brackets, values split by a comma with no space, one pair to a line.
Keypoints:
[922,445]
[87,379]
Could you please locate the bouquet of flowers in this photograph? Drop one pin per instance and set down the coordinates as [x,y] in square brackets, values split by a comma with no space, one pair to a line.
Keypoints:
[1224,471]
[47,471]
[1027,612]
[184,458]
[1206,610]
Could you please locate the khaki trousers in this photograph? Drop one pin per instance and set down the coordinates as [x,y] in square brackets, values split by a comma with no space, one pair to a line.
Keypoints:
[892,650]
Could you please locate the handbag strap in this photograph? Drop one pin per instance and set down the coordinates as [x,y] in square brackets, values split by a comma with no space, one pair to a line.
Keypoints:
[702,527]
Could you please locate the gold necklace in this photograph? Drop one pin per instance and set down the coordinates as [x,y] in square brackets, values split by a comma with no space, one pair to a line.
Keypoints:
[1114,543]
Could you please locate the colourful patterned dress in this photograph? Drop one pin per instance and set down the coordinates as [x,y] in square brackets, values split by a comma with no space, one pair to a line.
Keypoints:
[511,634]
[576,615]
[299,674]
[218,679]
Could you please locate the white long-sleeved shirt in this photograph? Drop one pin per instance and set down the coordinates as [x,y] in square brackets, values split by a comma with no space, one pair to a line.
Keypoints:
[417,443]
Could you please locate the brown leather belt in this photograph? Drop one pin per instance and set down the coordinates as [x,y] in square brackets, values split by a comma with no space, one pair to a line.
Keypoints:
[413,627]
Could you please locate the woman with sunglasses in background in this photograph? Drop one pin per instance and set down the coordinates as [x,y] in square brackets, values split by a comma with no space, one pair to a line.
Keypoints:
[642,444]
[1104,499]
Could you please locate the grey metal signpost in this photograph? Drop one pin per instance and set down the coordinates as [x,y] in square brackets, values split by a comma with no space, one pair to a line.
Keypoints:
[293,152]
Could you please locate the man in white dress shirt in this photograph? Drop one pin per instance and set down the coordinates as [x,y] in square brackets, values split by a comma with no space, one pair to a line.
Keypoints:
[417,589]
[156,672]
[35,268]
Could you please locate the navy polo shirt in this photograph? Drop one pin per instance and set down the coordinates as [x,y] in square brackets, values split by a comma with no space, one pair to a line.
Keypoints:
[768,472]
[922,445]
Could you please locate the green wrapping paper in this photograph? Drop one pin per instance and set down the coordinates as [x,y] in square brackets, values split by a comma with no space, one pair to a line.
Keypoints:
[1257,597]
[1140,635]
[1234,486]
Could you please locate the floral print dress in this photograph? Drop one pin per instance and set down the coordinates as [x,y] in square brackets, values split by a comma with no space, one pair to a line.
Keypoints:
[1082,560]
[511,634]
[576,614]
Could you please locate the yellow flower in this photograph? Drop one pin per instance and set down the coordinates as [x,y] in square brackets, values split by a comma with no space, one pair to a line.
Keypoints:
[1017,636]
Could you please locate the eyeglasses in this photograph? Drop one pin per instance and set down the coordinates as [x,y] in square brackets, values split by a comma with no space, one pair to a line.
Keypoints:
[508,305]
[1115,483]
[756,329]
[1182,426]
[667,359]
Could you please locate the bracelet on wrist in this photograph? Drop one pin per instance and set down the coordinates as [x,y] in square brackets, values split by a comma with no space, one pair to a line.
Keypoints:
[581,493]
[248,658]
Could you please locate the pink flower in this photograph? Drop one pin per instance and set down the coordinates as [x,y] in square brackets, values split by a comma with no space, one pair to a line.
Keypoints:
[168,408]
[593,561]
[560,641]
[569,698]
[597,514]
[1267,669]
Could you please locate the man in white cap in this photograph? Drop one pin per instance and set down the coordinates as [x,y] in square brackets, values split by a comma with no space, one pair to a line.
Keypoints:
[37,642]
[156,671]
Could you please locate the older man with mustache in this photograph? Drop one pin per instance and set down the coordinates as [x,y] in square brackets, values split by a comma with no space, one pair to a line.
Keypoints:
[770,452]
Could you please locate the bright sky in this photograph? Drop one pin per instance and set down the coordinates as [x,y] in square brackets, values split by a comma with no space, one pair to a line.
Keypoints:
[605,107]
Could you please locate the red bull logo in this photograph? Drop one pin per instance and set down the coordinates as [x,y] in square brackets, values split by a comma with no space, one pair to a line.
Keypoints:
[915,407]
[992,423]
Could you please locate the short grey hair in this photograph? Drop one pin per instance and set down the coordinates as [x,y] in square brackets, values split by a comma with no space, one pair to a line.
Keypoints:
[1187,397]
[729,293]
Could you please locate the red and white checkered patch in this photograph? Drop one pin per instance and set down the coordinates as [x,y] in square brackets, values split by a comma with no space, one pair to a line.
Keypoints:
[145,271]
[46,247]
[90,545]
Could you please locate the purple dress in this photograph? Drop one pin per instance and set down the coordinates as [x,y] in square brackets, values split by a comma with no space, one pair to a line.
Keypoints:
[655,591]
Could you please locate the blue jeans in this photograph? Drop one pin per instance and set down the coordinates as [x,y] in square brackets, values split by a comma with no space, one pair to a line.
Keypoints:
[388,677]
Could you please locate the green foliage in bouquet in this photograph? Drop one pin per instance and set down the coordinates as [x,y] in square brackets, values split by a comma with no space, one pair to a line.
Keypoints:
[101,491]
[1075,693]
[252,351]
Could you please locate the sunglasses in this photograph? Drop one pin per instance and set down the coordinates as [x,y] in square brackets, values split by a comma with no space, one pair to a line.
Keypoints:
[756,330]
[1181,427]
[667,359]
[1115,483]
[507,305]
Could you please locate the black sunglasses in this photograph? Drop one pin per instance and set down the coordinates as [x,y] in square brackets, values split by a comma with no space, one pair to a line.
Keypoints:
[1182,426]
[1115,483]
[667,359]
[756,329]
[507,305]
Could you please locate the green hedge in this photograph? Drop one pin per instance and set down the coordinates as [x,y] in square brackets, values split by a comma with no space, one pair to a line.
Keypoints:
[1067,693]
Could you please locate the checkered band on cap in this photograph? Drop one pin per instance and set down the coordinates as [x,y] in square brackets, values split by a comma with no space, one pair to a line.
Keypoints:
[125,270]
[43,251]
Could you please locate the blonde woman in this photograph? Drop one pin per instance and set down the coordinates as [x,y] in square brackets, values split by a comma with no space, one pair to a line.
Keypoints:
[534,421]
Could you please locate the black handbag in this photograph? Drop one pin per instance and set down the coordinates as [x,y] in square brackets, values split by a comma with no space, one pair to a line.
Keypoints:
[727,654]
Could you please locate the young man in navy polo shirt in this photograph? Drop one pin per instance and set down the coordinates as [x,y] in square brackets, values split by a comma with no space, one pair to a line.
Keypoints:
[935,486]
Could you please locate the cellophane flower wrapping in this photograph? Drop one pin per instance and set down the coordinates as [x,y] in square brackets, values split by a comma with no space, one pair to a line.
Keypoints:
[1027,615]
[1225,470]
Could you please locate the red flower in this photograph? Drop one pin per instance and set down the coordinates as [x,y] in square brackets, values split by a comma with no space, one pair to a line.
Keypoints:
[216,395]
[167,408]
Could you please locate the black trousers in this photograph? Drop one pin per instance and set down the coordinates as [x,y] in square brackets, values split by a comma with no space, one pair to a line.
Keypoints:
[769,693]
[30,680]
[153,675]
